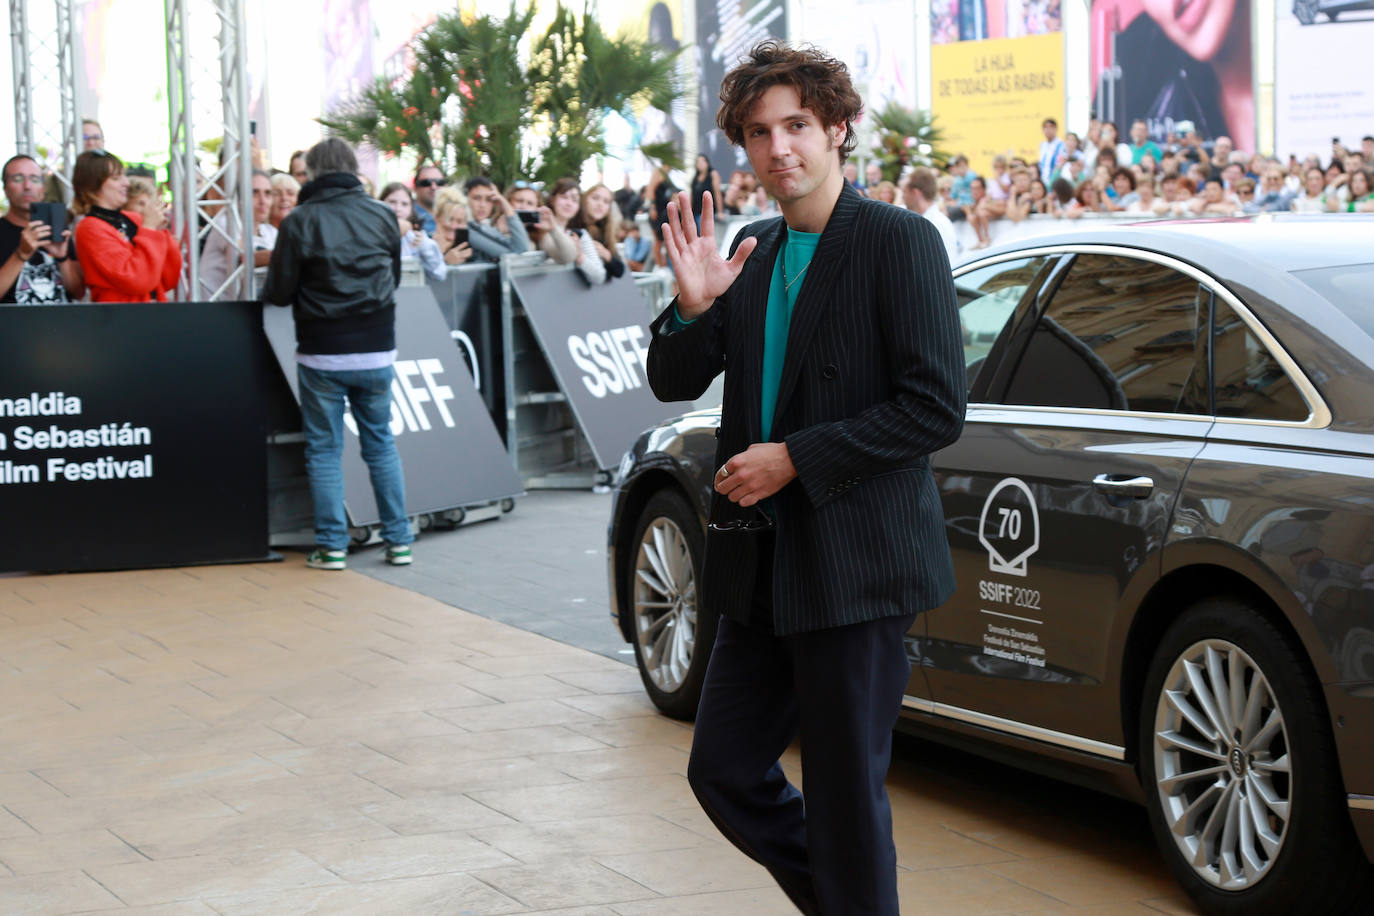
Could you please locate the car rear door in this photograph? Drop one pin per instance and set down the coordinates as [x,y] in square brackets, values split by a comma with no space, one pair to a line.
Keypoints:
[1059,494]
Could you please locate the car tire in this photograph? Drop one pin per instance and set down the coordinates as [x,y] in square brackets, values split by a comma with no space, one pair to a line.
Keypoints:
[1245,796]
[671,634]
[1305,11]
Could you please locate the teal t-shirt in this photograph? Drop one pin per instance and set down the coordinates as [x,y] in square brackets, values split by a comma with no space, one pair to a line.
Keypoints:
[789,276]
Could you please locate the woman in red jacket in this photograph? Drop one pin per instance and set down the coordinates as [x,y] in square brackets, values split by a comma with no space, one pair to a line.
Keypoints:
[125,258]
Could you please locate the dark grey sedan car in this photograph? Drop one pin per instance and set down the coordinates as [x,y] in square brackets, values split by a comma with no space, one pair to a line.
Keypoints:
[1162,517]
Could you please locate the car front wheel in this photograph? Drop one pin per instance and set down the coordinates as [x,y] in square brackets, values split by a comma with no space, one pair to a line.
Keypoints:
[1240,771]
[672,635]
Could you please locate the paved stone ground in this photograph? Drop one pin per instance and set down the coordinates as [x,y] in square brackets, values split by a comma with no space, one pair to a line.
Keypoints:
[541,567]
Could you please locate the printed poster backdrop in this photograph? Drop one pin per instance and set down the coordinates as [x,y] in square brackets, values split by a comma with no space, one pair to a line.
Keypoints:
[1168,64]
[881,57]
[660,23]
[991,96]
[976,20]
[1313,104]
[726,30]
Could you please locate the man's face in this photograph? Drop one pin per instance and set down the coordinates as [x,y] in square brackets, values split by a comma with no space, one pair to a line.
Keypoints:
[427,185]
[1222,148]
[1232,174]
[298,170]
[92,137]
[1139,133]
[912,198]
[851,172]
[1050,131]
[873,173]
[481,201]
[262,198]
[1367,147]
[23,186]
[791,151]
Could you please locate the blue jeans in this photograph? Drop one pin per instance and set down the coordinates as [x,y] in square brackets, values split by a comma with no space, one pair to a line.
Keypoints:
[322,409]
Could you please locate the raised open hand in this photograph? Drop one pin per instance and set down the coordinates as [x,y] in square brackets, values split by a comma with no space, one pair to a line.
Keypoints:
[701,273]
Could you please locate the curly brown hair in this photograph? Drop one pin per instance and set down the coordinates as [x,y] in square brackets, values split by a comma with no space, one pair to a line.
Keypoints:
[822,83]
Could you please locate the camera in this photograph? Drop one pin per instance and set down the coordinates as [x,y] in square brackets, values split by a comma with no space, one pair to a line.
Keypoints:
[528,217]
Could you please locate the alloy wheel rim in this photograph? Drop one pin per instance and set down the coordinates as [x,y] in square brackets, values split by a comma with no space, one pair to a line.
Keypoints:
[665,604]
[1222,765]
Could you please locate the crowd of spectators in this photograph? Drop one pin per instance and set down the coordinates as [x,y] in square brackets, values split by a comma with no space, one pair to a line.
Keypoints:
[1190,176]
[121,248]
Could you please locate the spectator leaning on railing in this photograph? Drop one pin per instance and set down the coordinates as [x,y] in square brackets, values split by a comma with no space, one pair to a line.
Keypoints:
[600,220]
[451,226]
[220,255]
[285,191]
[414,242]
[124,259]
[565,244]
[35,268]
[493,229]
[428,182]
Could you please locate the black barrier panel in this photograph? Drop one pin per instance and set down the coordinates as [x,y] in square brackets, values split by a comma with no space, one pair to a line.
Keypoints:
[131,436]
[597,341]
[469,298]
[448,446]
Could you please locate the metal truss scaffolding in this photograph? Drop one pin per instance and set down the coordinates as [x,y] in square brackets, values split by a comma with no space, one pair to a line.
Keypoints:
[217,207]
[43,44]
[43,47]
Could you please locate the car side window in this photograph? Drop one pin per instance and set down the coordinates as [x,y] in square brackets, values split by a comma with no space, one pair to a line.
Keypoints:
[1119,333]
[1249,382]
[988,297]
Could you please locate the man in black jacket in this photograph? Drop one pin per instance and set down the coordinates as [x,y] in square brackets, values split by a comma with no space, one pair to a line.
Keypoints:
[337,262]
[838,331]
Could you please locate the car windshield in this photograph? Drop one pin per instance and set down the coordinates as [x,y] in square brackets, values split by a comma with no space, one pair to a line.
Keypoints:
[1349,288]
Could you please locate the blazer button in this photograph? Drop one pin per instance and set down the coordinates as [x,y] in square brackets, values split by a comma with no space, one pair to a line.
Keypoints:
[829,371]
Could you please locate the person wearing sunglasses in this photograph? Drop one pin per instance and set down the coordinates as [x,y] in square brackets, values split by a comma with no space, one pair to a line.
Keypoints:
[428,181]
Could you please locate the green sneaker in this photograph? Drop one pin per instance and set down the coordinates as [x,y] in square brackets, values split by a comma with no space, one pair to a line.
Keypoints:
[398,554]
[323,558]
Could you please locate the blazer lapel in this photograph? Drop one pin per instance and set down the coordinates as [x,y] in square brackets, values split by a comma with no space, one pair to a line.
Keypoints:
[817,291]
[753,302]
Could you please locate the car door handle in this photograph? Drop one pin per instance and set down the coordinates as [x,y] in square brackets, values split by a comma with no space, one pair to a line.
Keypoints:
[1121,485]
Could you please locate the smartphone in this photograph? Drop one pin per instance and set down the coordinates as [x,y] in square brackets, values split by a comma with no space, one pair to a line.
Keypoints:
[460,237]
[252,128]
[54,214]
[528,217]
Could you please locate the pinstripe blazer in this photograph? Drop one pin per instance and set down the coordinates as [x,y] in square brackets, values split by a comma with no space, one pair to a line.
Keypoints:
[873,382]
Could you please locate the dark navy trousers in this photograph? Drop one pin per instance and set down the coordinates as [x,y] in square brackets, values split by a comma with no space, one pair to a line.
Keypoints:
[830,847]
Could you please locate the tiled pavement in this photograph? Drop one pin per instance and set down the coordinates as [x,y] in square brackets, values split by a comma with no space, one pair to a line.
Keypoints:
[269,739]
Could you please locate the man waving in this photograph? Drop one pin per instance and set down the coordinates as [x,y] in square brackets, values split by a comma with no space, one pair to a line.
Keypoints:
[838,331]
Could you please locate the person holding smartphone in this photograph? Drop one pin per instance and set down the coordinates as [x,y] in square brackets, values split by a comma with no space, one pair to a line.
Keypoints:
[451,226]
[35,267]
[493,229]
